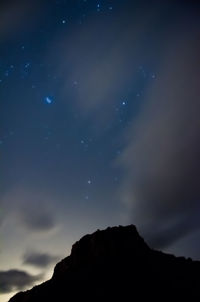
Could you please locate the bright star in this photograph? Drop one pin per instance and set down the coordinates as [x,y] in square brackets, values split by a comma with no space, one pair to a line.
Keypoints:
[89,182]
[48,100]
[123,103]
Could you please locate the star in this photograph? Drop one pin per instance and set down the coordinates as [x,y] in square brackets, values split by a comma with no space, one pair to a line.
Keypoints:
[63,21]
[89,182]
[27,65]
[48,100]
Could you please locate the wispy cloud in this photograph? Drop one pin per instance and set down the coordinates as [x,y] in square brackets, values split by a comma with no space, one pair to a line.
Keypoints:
[29,208]
[99,70]
[15,280]
[39,259]
[161,161]
[37,219]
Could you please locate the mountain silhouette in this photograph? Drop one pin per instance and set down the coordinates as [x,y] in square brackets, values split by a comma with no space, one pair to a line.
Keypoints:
[116,264]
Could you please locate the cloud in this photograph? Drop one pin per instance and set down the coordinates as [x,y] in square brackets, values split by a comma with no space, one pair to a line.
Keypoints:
[37,219]
[99,61]
[38,259]
[161,161]
[31,209]
[15,280]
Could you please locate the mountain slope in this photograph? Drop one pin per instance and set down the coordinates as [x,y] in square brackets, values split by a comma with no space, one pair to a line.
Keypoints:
[114,264]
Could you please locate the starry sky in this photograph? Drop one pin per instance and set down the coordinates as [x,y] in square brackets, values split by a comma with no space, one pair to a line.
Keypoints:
[99,126]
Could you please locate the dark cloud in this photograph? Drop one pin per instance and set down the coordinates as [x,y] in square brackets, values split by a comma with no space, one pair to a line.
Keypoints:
[15,280]
[31,209]
[38,219]
[40,260]
[161,161]
[166,235]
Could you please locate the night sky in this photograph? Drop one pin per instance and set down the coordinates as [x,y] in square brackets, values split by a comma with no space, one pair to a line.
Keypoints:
[99,126]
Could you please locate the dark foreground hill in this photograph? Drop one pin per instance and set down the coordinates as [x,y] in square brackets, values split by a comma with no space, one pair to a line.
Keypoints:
[116,264]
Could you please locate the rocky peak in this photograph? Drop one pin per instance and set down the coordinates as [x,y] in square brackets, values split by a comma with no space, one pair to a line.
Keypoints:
[115,264]
[111,243]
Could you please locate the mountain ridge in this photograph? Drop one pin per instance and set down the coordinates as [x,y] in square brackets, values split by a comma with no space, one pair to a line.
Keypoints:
[117,263]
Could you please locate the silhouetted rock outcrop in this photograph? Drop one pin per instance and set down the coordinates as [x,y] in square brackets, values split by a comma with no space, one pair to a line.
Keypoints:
[115,264]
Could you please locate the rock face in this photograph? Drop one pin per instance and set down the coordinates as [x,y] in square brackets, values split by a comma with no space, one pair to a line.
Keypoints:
[116,264]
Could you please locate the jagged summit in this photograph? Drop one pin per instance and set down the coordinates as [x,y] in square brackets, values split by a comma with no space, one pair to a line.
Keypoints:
[114,264]
[101,245]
